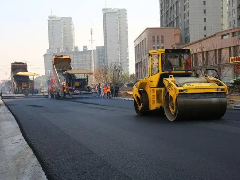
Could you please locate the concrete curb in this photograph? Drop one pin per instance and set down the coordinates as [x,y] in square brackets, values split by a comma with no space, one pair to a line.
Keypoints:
[236,107]
[126,99]
[17,160]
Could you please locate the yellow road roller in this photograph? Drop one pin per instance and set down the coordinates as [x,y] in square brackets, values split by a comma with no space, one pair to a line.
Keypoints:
[172,87]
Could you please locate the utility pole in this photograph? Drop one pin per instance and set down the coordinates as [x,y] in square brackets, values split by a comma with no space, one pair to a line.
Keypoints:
[105,3]
[93,64]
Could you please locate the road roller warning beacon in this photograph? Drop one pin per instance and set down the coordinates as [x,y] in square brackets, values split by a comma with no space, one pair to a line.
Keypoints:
[173,88]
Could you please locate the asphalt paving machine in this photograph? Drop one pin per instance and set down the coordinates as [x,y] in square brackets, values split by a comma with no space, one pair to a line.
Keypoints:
[173,88]
[64,81]
[20,84]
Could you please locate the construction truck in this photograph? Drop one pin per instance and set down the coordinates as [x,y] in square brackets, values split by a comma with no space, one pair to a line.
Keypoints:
[174,89]
[20,84]
[64,82]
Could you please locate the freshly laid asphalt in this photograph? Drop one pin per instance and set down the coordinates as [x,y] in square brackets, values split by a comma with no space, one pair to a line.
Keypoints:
[104,139]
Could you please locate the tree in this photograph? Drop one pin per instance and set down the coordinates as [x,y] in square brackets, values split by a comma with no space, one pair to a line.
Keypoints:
[102,75]
[113,74]
[116,74]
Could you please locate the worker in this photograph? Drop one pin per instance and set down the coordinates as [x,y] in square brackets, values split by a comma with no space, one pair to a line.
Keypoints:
[99,89]
[169,65]
[108,91]
[112,90]
[104,91]
[116,89]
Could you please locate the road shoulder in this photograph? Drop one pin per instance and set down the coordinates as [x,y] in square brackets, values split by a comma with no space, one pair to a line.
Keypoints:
[17,160]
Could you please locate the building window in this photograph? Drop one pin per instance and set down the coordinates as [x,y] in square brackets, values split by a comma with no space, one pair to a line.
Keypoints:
[235,51]
[236,33]
[162,41]
[204,2]
[215,56]
[205,28]
[146,46]
[230,52]
[205,19]
[205,35]
[204,11]
[219,56]
[158,42]
[233,13]
[153,42]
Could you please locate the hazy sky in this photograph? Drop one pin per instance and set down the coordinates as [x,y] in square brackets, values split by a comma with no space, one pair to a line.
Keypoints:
[24,27]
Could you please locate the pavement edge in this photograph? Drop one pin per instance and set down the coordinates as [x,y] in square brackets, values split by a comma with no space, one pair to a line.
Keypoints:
[17,158]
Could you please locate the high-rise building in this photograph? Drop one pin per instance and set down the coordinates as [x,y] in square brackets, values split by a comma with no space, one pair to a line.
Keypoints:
[233,13]
[99,57]
[196,18]
[68,34]
[55,36]
[60,37]
[115,29]
[60,34]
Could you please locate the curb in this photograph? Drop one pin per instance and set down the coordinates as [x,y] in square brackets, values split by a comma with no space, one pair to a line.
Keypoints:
[126,99]
[17,160]
[236,107]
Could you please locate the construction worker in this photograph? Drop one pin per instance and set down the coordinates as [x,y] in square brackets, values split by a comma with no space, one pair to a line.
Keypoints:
[108,91]
[104,91]
[112,90]
[116,89]
[99,89]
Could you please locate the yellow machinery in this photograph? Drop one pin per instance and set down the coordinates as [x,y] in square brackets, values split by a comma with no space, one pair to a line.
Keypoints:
[172,87]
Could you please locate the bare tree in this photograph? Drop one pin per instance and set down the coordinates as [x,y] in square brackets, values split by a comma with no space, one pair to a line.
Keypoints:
[107,75]
[116,72]
[102,74]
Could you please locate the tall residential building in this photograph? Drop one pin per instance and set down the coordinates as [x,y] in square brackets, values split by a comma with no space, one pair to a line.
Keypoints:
[233,13]
[99,57]
[196,18]
[60,34]
[55,35]
[60,37]
[68,34]
[115,29]
[153,38]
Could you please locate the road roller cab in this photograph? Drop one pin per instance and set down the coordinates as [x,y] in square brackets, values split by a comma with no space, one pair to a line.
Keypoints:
[173,88]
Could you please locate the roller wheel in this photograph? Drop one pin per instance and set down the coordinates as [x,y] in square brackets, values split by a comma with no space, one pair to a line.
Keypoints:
[172,116]
[144,104]
[195,106]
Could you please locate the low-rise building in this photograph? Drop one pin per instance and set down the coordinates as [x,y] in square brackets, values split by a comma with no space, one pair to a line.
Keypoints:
[80,60]
[216,51]
[153,38]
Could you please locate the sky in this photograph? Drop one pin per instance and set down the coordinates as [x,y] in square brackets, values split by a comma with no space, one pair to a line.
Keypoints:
[24,27]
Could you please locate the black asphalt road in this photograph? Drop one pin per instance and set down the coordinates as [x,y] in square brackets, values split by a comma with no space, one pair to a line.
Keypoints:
[104,139]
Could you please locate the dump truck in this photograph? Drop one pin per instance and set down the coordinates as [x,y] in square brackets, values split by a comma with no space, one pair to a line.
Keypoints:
[64,81]
[20,84]
[173,88]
